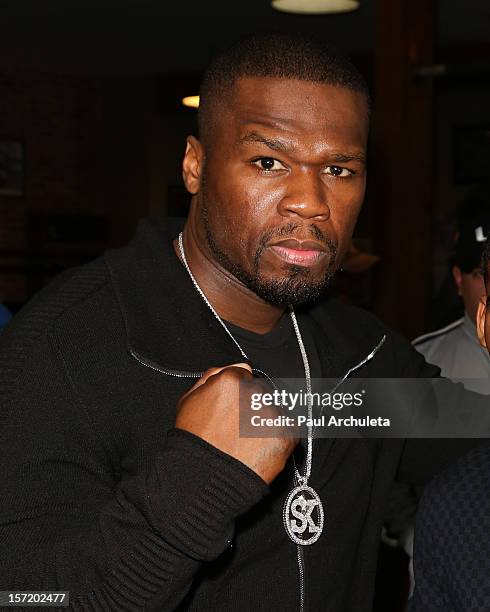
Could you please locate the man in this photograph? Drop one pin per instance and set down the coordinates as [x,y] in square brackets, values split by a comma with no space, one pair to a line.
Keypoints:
[125,480]
[452,547]
[455,348]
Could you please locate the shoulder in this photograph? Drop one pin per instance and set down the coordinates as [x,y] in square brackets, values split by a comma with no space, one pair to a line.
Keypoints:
[471,472]
[438,336]
[81,296]
[352,320]
[452,547]
[363,331]
[458,499]
[350,328]
[72,287]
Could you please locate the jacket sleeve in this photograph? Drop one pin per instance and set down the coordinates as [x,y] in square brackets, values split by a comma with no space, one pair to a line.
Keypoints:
[424,457]
[433,586]
[70,520]
[451,539]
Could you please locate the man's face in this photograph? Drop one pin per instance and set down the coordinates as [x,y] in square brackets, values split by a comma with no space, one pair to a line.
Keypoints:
[471,288]
[483,320]
[282,184]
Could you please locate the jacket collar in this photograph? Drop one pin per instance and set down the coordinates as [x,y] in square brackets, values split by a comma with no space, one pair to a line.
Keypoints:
[169,325]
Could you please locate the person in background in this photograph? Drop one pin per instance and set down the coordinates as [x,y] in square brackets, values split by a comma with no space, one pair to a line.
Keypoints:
[452,547]
[455,348]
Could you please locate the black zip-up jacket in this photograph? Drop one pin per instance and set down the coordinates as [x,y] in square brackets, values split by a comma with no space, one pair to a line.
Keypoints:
[102,497]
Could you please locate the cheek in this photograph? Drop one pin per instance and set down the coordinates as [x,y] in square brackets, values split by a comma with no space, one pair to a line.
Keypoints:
[477,289]
[242,207]
[347,196]
[258,198]
[344,214]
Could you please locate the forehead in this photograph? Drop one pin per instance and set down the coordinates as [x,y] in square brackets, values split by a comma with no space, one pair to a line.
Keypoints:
[314,110]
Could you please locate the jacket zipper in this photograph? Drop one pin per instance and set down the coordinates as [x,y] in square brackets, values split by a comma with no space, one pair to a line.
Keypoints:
[300,552]
[184,374]
[154,366]
[301,570]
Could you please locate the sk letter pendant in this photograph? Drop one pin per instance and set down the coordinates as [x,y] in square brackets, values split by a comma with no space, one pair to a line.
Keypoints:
[303,515]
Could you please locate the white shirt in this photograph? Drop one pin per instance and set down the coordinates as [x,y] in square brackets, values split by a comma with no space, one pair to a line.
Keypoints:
[457,351]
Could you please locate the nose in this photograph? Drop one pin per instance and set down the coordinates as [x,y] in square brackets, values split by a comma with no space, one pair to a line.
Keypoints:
[306,196]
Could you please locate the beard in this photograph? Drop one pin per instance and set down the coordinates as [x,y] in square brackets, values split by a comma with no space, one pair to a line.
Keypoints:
[296,287]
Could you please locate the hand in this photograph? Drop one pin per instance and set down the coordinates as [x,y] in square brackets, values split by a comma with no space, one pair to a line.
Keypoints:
[210,410]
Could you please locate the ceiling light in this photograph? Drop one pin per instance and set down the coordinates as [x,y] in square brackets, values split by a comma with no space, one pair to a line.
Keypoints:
[192,101]
[315,7]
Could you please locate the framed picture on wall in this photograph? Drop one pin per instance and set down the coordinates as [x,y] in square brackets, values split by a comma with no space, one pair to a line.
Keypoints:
[11,168]
[471,153]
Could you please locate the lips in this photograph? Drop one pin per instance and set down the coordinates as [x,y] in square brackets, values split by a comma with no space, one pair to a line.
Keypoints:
[300,245]
[299,252]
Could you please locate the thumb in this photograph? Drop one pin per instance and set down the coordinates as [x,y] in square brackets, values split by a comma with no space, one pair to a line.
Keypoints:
[212,372]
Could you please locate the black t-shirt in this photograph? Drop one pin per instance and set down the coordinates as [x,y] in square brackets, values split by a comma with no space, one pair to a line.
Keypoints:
[277,352]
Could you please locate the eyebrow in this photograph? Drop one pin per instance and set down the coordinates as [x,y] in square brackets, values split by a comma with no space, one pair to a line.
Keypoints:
[273,143]
[339,157]
[280,145]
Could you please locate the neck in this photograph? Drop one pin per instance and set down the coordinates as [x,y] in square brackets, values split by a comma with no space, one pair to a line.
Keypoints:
[231,299]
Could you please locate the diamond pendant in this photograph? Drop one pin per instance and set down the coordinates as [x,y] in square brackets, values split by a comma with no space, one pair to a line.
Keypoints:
[303,515]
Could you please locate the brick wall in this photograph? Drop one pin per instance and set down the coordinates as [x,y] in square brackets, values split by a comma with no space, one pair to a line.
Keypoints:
[85,154]
[58,119]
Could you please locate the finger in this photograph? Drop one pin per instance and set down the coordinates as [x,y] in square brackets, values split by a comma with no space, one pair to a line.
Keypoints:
[205,376]
[212,372]
[245,366]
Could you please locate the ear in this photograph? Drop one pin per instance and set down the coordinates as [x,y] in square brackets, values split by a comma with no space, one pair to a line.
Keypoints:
[458,277]
[192,165]
[481,314]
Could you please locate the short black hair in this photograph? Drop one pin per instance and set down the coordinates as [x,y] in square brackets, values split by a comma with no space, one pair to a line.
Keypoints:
[473,218]
[276,55]
[485,263]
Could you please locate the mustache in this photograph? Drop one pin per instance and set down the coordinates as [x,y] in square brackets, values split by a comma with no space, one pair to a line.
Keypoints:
[294,230]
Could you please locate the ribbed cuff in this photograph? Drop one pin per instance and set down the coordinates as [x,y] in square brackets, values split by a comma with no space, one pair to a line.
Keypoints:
[196,492]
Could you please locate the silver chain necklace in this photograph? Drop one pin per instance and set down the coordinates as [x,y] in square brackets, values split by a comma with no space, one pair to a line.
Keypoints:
[303,514]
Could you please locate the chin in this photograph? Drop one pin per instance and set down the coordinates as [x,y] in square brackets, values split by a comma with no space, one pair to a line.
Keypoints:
[289,291]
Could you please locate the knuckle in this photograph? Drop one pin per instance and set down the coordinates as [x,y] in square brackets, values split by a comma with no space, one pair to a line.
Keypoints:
[209,372]
[232,375]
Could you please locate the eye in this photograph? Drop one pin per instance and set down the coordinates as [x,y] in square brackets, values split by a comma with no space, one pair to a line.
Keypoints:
[338,171]
[268,164]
